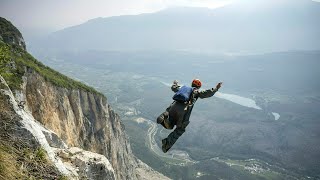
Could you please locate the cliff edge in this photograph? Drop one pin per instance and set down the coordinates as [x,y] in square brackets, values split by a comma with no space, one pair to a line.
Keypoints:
[71,124]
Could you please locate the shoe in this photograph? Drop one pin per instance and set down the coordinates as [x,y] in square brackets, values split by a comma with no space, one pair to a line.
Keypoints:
[164,145]
[167,125]
[162,117]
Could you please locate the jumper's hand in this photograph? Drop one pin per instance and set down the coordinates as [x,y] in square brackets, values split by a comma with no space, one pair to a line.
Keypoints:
[218,85]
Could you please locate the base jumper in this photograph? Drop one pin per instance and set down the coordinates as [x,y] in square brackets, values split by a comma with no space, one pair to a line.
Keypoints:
[178,113]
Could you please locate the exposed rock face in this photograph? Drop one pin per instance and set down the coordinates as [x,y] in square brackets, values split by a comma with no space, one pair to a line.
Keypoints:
[10,34]
[75,162]
[72,162]
[20,131]
[86,164]
[80,119]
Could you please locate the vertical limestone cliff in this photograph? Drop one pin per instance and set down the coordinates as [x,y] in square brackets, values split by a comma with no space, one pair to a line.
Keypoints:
[27,149]
[81,119]
[60,113]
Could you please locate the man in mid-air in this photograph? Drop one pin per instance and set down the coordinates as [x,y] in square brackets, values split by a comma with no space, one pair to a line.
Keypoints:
[178,113]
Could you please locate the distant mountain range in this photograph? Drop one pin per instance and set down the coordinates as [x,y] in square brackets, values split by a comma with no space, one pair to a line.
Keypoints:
[291,25]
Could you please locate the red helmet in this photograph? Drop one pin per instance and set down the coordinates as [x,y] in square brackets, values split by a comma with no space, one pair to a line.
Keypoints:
[196,83]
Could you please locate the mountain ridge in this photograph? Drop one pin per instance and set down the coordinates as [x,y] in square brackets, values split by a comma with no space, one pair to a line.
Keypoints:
[226,29]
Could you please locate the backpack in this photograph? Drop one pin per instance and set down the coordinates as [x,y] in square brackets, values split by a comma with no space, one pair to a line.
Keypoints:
[183,95]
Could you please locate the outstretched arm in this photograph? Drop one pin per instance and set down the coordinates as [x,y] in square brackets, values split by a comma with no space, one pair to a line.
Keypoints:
[175,87]
[209,92]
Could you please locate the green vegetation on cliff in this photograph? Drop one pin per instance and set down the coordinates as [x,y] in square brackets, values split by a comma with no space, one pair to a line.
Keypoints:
[8,69]
[14,61]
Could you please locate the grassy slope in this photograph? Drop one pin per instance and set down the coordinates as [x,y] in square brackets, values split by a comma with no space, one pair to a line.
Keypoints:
[13,60]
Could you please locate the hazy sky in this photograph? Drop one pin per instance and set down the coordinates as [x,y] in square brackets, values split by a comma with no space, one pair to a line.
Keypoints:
[58,14]
[39,16]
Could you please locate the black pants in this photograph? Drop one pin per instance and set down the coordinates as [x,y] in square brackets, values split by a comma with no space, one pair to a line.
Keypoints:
[174,136]
[176,117]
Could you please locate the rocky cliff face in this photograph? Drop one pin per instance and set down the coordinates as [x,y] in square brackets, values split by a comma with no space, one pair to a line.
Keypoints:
[21,154]
[29,138]
[80,119]
[60,113]
[10,34]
